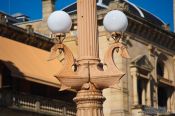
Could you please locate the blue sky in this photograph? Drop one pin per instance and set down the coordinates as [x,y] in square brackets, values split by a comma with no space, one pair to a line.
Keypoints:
[33,8]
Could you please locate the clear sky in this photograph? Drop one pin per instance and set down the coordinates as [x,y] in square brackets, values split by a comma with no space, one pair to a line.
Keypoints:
[33,8]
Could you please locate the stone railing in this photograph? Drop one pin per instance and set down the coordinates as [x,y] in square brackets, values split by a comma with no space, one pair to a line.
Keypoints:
[37,104]
[160,111]
[165,81]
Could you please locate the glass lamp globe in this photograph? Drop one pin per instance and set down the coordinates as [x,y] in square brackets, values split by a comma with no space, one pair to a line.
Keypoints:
[59,22]
[115,21]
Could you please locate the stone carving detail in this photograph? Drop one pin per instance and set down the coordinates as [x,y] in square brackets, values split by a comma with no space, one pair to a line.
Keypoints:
[142,62]
[89,99]
[118,5]
[3,19]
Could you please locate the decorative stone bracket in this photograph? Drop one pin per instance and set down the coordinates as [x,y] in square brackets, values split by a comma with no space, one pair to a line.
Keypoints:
[74,75]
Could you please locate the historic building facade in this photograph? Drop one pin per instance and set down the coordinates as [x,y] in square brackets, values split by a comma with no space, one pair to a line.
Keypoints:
[148,87]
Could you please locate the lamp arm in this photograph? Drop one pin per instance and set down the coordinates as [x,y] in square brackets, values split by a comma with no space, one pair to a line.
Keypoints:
[108,58]
[68,56]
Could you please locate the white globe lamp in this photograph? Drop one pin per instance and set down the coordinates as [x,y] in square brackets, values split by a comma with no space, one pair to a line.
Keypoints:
[115,21]
[59,22]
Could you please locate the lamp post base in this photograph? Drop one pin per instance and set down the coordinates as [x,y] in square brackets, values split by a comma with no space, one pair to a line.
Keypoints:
[89,101]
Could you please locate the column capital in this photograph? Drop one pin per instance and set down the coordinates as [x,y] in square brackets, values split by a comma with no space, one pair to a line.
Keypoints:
[150,47]
[134,70]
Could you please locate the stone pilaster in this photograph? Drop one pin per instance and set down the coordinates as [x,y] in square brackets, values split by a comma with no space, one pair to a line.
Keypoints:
[87,30]
[89,101]
[153,59]
[155,86]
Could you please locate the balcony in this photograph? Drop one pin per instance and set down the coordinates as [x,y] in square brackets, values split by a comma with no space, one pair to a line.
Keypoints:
[36,104]
[165,81]
[160,111]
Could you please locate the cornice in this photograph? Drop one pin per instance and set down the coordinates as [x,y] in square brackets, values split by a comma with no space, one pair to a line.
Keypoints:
[141,30]
[145,31]
[25,36]
[149,33]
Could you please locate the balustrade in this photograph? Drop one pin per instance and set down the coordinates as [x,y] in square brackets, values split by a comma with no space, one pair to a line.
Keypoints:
[39,104]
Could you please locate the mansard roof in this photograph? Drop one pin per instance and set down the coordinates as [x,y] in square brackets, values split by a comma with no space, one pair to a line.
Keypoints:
[104,4]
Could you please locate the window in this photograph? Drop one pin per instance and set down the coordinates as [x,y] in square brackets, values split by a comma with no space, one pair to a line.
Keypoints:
[160,69]
[162,97]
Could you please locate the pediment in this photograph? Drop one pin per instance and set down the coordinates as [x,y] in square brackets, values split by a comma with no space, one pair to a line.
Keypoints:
[142,62]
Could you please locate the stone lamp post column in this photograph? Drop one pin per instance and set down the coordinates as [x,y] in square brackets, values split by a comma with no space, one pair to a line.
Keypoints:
[88,77]
[89,101]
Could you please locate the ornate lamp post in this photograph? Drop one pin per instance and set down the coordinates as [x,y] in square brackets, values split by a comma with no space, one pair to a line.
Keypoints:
[88,76]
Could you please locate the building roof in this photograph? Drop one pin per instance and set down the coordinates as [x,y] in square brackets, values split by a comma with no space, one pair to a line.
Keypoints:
[28,62]
[104,4]
[9,18]
[19,15]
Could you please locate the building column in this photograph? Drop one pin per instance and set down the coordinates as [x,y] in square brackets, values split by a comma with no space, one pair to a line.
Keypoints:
[173,101]
[155,86]
[134,84]
[148,92]
[169,101]
[153,59]
[143,93]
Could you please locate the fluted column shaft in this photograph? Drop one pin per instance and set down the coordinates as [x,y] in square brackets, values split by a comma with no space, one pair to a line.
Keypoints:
[89,99]
[87,30]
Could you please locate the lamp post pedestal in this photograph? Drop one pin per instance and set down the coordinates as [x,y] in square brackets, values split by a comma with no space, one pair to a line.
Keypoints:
[88,76]
[89,101]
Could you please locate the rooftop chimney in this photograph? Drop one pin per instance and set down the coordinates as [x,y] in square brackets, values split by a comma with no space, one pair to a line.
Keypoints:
[48,6]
